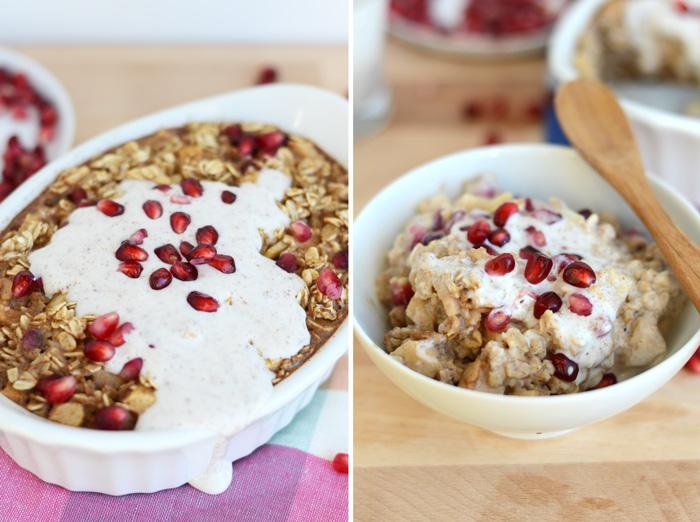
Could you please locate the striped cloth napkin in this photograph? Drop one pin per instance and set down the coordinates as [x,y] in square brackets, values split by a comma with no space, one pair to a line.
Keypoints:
[288,479]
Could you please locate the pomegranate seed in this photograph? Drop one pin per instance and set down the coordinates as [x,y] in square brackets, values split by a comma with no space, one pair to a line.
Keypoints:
[131,370]
[246,145]
[233,132]
[117,338]
[401,293]
[340,260]
[57,389]
[179,221]
[153,208]
[580,305]
[537,237]
[110,208]
[499,237]
[192,187]
[329,284]
[301,231]
[287,262]
[564,368]
[608,379]
[500,217]
[127,251]
[547,301]
[207,235]
[130,268]
[537,268]
[23,283]
[497,319]
[267,75]
[340,463]
[160,279]
[418,232]
[528,205]
[693,363]
[586,213]
[488,249]
[99,351]
[493,138]
[500,265]
[478,232]
[168,254]
[547,216]
[205,252]
[433,236]
[137,237]
[32,340]
[78,195]
[112,418]
[228,197]
[526,252]
[104,325]
[681,7]
[224,264]
[180,200]
[579,274]
[438,221]
[472,110]
[184,271]
[202,302]
[271,141]
[84,204]
[186,248]
[162,188]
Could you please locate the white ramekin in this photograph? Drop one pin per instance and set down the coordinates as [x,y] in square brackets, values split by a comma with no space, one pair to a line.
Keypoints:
[50,88]
[117,463]
[540,172]
[669,142]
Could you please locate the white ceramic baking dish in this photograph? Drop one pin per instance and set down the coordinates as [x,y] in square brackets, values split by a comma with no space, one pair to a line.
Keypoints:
[669,142]
[117,463]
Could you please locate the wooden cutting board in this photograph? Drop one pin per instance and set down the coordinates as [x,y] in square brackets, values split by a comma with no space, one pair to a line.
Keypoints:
[411,463]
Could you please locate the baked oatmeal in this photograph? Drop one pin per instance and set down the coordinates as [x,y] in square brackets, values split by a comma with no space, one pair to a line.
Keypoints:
[642,39]
[173,280]
[513,296]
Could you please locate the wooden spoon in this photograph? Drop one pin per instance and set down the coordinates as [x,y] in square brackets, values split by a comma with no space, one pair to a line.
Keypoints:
[596,126]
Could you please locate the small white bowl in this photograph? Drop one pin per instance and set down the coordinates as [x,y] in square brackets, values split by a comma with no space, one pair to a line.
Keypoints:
[50,88]
[118,463]
[538,171]
[669,142]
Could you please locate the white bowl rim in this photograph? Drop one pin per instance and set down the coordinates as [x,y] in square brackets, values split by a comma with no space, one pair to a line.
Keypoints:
[16,420]
[566,33]
[55,91]
[555,149]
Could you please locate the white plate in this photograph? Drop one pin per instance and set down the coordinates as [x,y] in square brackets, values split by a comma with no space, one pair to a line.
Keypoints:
[117,463]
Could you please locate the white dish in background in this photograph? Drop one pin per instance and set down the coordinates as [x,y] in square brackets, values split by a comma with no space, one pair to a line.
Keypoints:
[50,88]
[669,141]
[118,463]
[537,171]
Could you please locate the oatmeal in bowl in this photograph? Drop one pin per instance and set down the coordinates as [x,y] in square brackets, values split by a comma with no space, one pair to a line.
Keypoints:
[509,295]
[179,278]
[497,305]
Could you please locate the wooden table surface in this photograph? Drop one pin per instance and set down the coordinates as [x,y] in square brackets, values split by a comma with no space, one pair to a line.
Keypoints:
[411,463]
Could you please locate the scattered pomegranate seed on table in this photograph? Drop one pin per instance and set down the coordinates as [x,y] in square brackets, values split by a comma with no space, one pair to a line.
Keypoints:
[341,463]
[267,75]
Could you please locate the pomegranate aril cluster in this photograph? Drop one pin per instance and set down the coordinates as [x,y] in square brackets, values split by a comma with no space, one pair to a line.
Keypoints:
[17,95]
[204,252]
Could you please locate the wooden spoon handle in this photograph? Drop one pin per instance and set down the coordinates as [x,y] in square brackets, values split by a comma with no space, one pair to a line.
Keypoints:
[595,124]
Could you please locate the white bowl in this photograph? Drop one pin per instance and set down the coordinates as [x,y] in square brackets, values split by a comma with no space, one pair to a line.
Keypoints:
[539,171]
[50,88]
[669,142]
[129,462]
